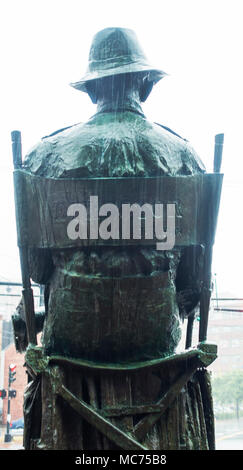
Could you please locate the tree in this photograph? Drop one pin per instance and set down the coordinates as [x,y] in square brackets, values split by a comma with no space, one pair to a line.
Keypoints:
[228,388]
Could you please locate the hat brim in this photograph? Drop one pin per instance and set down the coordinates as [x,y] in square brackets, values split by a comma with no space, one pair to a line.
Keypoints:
[156,74]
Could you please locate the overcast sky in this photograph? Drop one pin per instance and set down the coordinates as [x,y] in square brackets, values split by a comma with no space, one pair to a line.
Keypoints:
[45,46]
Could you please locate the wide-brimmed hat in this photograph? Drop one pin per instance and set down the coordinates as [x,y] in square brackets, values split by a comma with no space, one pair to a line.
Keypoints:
[116,51]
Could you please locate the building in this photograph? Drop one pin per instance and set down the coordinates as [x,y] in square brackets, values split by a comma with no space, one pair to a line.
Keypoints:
[10,356]
[10,296]
[225,329]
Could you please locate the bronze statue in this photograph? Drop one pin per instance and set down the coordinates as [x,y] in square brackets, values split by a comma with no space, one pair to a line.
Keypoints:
[114,310]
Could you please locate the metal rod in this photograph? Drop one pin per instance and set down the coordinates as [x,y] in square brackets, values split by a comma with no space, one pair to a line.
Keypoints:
[228,309]
[16,284]
[27,292]
[16,149]
[227,298]
[15,295]
[206,287]
[218,151]
[189,331]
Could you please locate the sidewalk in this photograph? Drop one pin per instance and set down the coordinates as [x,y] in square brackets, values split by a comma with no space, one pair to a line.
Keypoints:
[15,444]
[11,446]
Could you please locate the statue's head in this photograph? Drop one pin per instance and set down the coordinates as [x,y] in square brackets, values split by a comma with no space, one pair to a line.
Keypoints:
[116,57]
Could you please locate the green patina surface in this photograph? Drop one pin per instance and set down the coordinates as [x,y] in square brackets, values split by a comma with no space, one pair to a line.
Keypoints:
[39,361]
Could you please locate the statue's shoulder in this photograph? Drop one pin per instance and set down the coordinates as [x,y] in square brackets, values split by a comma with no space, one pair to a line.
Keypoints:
[45,156]
[61,131]
[170,131]
[183,147]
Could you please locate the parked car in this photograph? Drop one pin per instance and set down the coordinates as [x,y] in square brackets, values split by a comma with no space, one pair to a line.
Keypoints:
[17,424]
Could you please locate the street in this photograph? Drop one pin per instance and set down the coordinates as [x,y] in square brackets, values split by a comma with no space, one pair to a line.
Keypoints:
[229,436]
[17,439]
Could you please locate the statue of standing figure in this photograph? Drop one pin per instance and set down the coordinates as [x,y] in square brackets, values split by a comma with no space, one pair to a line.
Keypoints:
[107,306]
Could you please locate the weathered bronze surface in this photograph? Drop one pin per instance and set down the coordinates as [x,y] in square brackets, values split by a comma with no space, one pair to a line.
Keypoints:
[114,308]
[195,197]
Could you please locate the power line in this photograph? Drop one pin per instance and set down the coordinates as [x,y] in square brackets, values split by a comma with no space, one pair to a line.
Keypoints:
[226,298]
[15,295]
[5,283]
[228,309]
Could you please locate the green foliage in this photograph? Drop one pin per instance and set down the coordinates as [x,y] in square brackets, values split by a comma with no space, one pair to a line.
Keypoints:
[228,389]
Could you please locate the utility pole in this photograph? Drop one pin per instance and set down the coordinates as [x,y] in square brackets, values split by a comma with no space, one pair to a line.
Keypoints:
[11,379]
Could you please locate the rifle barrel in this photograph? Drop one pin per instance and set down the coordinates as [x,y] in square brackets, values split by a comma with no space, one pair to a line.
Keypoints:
[27,292]
[218,151]
[206,287]
[16,149]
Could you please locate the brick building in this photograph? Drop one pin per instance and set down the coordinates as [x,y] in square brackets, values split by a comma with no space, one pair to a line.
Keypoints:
[10,296]
[225,328]
[10,356]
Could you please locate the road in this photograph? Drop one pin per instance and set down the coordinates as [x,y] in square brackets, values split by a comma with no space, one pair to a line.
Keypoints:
[17,439]
[229,436]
